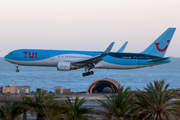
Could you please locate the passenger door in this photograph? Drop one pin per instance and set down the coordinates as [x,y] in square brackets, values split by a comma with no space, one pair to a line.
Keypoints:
[20,55]
[52,56]
[135,59]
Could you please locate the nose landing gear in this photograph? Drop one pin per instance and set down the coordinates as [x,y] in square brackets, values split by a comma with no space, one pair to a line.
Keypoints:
[17,70]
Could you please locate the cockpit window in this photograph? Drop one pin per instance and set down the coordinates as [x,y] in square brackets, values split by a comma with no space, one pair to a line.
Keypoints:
[10,53]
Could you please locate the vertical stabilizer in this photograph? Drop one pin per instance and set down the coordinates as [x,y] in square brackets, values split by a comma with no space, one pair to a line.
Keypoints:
[160,45]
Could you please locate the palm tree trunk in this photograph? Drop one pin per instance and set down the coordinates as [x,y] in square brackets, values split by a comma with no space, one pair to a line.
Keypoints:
[24,116]
[3,117]
[39,117]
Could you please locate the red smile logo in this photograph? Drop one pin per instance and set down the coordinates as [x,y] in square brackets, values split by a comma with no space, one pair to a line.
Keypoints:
[161,50]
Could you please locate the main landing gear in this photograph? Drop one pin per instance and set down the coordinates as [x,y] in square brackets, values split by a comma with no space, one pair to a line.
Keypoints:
[87,73]
[17,70]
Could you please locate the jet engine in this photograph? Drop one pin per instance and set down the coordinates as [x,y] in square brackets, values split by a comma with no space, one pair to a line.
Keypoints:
[64,66]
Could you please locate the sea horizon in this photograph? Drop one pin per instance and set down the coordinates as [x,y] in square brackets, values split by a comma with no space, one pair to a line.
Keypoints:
[48,77]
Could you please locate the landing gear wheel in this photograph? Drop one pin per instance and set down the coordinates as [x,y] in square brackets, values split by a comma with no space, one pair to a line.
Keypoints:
[84,74]
[91,72]
[17,70]
[88,73]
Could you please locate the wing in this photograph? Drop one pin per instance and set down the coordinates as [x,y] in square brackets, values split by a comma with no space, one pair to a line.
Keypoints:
[94,60]
[123,47]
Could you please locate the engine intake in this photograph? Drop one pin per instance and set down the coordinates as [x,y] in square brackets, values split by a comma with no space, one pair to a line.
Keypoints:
[64,66]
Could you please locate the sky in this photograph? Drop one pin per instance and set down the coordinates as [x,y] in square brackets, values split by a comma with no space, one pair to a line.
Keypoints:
[87,24]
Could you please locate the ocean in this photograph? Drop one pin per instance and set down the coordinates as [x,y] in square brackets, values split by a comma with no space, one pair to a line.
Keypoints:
[48,77]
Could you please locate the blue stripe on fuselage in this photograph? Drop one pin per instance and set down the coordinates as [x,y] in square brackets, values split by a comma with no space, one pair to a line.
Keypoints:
[45,54]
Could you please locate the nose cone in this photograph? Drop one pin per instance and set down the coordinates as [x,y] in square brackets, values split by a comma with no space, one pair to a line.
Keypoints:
[6,57]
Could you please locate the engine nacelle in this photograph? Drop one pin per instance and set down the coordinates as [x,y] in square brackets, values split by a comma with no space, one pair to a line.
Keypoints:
[64,66]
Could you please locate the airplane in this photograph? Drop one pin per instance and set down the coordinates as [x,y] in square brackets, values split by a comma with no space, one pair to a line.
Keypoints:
[66,60]
[123,47]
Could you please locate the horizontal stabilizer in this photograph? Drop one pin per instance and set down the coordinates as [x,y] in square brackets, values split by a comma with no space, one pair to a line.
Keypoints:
[159,59]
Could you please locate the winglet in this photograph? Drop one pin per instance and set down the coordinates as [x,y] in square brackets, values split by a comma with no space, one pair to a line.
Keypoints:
[122,48]
[107,51]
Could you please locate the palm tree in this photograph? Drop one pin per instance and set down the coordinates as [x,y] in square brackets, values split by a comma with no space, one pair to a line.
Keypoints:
[55,110]
[2,111]
[155,102]
[15,110]
[44,106]
[23,103]
[118,105]
[77,112]
[10,111]
[38,104]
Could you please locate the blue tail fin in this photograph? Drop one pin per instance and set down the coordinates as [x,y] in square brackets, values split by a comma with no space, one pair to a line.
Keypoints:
[160,45]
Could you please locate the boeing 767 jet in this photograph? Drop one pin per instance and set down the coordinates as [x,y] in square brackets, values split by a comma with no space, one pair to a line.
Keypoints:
[66,60]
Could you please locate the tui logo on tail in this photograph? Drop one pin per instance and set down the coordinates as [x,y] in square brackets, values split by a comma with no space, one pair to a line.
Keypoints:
[161,50]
